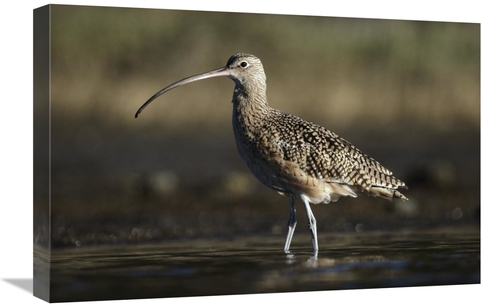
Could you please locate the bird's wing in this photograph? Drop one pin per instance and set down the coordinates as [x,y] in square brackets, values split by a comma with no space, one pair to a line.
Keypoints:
[323,155]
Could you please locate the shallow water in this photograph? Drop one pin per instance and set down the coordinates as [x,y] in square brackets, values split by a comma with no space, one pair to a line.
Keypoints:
[256,265]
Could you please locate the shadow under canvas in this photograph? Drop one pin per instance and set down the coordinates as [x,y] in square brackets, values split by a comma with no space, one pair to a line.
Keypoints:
[22,283]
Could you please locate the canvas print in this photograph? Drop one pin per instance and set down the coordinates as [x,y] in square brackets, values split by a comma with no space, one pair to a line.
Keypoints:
[190,153]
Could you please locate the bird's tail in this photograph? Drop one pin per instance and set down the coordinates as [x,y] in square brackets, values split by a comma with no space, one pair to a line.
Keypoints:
[387,193]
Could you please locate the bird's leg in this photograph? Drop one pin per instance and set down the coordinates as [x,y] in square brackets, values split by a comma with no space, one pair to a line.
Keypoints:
[312,226]
[292,222]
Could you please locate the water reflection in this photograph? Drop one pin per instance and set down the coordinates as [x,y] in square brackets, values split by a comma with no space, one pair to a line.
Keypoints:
[256,265]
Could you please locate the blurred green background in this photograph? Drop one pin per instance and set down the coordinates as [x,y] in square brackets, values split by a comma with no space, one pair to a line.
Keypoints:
[405,92]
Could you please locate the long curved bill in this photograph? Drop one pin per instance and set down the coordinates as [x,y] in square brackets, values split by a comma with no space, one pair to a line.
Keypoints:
[220,72]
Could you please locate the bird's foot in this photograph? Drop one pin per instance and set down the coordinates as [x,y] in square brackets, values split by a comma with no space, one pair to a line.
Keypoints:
[314,254]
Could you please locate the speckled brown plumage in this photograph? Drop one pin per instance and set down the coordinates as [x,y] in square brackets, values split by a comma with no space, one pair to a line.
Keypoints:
[296,158]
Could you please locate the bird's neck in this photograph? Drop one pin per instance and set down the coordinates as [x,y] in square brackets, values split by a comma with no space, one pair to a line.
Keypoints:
[249,106]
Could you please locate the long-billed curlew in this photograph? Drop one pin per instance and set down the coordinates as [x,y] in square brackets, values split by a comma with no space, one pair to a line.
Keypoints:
[294,157]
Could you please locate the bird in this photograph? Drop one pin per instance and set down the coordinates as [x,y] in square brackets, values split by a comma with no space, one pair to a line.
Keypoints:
[294,157]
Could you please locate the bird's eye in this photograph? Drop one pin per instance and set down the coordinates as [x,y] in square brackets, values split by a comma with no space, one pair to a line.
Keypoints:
[243,64]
